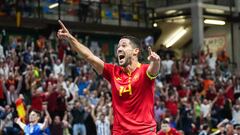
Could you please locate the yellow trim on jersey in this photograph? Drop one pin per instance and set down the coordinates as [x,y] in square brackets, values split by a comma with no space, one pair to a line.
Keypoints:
[139,65]
[151,77]
[117,78]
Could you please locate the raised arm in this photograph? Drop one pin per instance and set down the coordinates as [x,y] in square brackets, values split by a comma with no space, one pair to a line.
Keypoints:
[154,66]
[48,115]
[20,123]
[96,62]
[19,86]
[4,87]
[45,123]
[65,120]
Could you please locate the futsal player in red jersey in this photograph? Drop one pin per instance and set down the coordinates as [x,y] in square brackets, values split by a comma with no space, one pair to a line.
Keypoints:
[132,84]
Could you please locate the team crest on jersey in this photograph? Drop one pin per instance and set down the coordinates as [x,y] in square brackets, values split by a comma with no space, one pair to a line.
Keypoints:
[136,77]
[118,78]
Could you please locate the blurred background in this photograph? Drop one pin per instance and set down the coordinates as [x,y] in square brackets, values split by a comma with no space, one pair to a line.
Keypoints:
[198,87]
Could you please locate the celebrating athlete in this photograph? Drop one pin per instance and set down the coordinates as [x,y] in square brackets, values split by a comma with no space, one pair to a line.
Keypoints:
[132,84]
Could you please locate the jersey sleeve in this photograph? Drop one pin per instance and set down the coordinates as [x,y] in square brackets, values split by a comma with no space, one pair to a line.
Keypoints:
[149,76]
[108,71]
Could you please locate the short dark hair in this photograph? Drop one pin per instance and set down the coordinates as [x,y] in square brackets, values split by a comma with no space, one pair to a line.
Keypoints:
[37,112]
[134,40]
[237,126]
[205,126]
[165,121]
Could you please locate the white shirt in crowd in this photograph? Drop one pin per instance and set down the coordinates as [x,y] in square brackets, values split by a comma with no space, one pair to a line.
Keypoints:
[236,116]
[212,62]
[203,133]
[205,109]
[1,52]
[237,89]
[4,70]
[103,128]
[58,69]
[167,65]
[70,87]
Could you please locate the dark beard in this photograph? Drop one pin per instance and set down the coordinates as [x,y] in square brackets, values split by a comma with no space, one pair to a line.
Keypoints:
[127,62]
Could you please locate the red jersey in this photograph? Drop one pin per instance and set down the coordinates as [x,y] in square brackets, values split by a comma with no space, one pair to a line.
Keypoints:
[172,131]
[1,90]
[132,99]
[36,102]
[172,106]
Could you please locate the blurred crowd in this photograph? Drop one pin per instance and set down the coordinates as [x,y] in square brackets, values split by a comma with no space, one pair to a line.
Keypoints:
[56,82]
[197,94]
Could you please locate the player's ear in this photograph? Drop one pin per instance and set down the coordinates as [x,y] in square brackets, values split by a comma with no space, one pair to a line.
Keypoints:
[136,51]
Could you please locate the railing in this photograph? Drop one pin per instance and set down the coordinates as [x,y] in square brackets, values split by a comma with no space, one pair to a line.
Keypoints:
[167,3]
[85,12]
[220,2]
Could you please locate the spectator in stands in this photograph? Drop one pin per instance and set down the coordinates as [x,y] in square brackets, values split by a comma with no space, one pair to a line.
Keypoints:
[203,56]
[2,69]
[46,66]
[60,127]
[36,98]
[78,118]
[237,129]
[171,102]
[206,108]
[28,55]
[62,101]
[83,83]
[2,99]
[211,62]
[11,91]
[2,56]
[186,118]
[225,127]
[58,67]
[229,129]
[236,113]
[204,130]
[223,60]
[167,66]
[52,94]
[7,116]
[166,129]
[103,124]
[72,87]
[160,110]
[90,120]
[237,88]
[33,127]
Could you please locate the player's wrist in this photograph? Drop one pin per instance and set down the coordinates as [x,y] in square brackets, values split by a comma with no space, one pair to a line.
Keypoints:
[155,62]
[70,37]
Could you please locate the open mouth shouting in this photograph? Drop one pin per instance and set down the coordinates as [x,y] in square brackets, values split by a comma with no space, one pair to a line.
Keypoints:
[121,58]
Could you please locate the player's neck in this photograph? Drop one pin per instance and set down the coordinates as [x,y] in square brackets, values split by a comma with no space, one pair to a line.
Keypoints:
[131,67]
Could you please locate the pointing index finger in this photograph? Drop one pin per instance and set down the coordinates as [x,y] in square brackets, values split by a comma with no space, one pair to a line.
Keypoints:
[149,50]
[62,25]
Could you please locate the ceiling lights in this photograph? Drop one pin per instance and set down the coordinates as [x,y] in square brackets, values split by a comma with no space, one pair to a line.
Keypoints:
[214,22]
[214,11]
[174,37]
[170,12]
[53,5]
[155,24]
